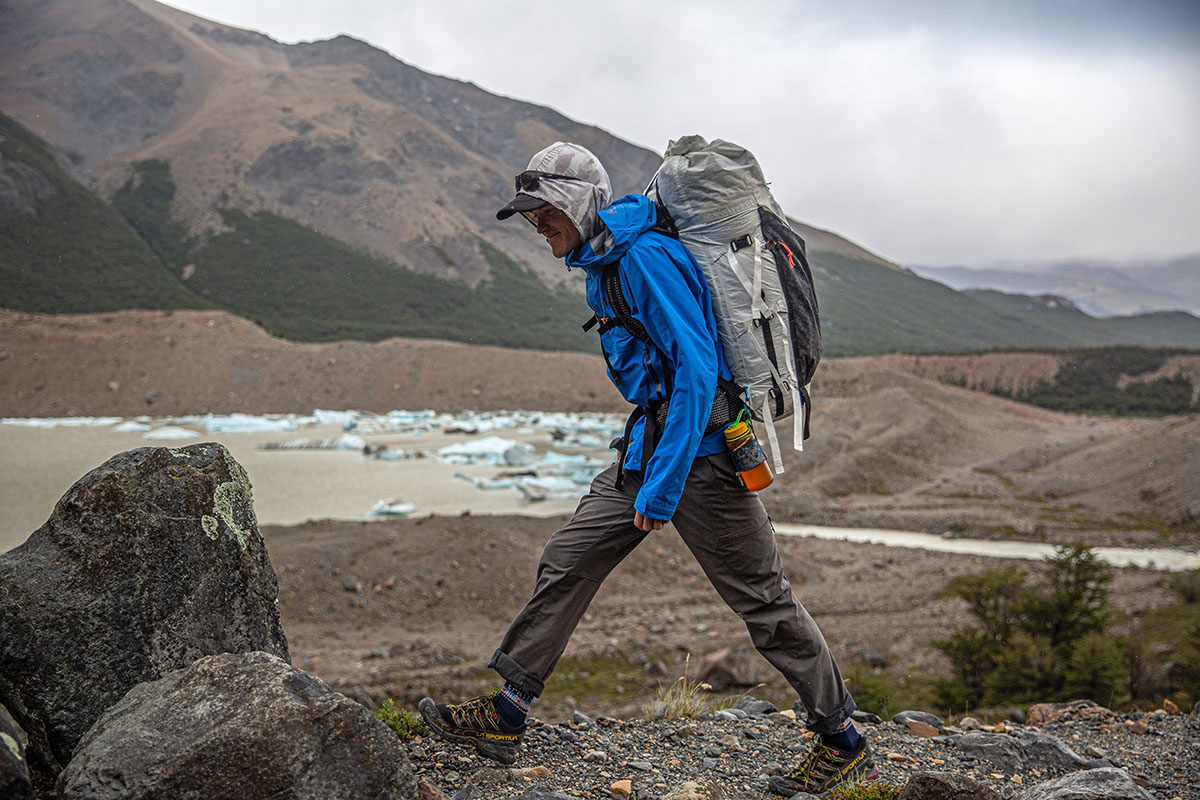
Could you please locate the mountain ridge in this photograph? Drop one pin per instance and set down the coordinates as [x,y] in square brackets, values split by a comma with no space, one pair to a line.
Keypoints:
[328,190]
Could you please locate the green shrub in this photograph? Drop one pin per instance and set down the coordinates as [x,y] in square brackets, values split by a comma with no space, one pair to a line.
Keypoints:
[405,723]
[871,790]
[1096,670]
[1039,640]
[1186,585]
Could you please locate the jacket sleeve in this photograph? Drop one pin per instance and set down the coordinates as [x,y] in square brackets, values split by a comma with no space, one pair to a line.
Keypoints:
[667,292]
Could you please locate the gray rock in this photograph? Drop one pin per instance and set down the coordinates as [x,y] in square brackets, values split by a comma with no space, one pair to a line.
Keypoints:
[14,771]
[237,725]
[1093,784]
[726,669]
[148,562]
[919,716]
[1023,750]
[702,789]
[873,658]
[866,717]
[752,705]
[945,786]
[543,794]
[580,718]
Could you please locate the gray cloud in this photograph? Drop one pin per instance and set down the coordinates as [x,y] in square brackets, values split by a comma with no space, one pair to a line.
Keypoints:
[962,132]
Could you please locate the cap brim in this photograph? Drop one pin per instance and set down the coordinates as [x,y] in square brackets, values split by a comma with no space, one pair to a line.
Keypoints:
[522,202]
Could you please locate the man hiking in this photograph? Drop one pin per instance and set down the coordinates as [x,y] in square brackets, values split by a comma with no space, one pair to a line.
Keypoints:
[687,478]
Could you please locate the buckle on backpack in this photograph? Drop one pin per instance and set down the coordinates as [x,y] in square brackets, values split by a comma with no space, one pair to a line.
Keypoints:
[739,243]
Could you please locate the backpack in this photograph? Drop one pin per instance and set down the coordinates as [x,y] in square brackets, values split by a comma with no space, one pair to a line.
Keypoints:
[712,196]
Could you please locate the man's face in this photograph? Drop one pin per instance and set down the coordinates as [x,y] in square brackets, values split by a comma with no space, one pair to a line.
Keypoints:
[561,234]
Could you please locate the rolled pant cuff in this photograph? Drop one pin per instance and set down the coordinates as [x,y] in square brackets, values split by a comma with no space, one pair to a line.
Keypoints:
[831,723]
[515,674]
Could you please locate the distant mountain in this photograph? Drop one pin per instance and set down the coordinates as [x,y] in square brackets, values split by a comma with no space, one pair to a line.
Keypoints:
[327,190]
[1097,287]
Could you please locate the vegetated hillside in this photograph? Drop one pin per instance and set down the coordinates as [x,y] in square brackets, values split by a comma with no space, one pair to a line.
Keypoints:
[307,286]
[64,249]
[1049,314]
[336,135]
[1122,381]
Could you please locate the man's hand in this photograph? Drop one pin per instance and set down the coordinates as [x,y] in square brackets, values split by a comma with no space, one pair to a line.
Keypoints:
[647,524]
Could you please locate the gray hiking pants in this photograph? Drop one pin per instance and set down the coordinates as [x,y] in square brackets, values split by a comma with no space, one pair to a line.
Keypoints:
[729,533]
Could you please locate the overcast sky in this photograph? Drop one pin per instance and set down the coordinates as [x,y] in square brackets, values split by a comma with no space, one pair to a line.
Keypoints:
[952,132]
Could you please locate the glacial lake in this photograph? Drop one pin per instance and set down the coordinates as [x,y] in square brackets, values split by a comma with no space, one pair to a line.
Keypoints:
[43,459]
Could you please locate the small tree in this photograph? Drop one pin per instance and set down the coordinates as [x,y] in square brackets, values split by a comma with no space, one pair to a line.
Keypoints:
[1030,640]
[992,597]
[1072,600]
[1095,670]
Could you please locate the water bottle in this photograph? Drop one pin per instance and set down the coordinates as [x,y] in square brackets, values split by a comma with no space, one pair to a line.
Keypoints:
[748,457]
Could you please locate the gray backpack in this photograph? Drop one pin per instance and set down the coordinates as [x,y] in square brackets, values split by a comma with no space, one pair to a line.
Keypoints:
[763,297]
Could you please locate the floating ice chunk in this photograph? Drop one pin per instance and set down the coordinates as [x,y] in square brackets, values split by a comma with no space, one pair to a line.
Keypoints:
[323,416]
[549,487]
[386,453]
[484,483]
[132,426]
[171,432]
[247,423]
[346,441]
[60,422]
[488,450]
[392,508]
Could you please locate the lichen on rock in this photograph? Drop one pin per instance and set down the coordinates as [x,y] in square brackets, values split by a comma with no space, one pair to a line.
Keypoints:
[123,545]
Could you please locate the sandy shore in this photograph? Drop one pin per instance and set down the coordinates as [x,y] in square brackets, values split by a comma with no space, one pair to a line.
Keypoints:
[290,486]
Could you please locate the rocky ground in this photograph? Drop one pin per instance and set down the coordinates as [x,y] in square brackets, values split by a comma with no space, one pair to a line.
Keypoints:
[606,757]
[409,608]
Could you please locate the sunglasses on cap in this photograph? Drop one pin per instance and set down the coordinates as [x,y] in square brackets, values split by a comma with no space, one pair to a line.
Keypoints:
[528,180]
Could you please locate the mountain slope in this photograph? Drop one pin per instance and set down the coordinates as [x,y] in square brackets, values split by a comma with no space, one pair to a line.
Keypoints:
[62,248]
[328,190]
[1096,287]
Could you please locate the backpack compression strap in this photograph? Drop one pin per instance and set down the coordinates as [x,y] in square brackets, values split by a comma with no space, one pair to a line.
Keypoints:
[729,399]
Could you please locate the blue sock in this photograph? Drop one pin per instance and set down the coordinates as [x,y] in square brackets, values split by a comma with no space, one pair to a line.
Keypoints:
[845,739]
[513,705]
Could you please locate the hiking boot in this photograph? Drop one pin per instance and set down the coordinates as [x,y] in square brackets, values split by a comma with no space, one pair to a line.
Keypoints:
[825,768]
[477,722]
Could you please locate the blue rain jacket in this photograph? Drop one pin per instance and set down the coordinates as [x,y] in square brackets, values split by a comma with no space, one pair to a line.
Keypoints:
[668,294]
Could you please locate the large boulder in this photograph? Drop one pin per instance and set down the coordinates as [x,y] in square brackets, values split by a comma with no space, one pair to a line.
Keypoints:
[1094,784]
[1024,750]
[238,725]
[148,562]
[14,772]
[945,786]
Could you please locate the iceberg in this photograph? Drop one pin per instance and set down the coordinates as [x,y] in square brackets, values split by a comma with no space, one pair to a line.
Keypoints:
[488,450]
[484,483]
[247,423]
[346,441]
[170,433]
[392,508]
[132,426]
[549,487]
[60,422]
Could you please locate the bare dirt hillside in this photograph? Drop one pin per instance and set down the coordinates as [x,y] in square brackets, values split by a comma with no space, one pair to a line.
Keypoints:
[889,448]
[188,362]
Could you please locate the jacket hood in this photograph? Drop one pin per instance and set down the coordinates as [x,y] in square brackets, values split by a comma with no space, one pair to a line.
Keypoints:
[580,199]
[621,224]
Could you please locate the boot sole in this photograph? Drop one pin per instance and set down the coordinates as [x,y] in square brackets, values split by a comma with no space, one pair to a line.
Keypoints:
[503,753]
